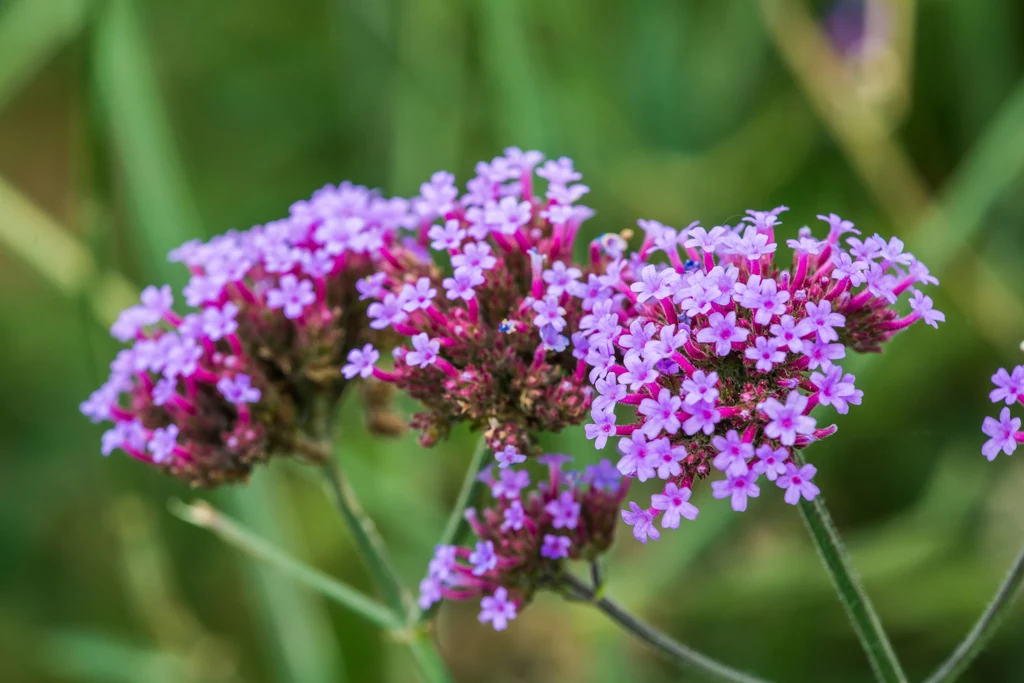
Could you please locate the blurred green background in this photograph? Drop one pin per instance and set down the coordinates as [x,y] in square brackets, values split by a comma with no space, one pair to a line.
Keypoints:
[129,126]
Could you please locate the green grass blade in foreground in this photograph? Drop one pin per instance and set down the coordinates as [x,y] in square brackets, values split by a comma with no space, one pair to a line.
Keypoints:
[985,627]
[457,525]
[856,602]
[203,515]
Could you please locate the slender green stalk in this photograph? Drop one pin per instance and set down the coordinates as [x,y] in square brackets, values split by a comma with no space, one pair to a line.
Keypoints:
[984,629]
[705,666]
[856,602]
[367,539]
[203,515]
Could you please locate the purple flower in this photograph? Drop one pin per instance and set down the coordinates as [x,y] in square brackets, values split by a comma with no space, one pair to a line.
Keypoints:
[738,488]
[603,427]
[667,342]
[508,457]
[642,522]
[507,215]
[292,295]
[609,391]
[703,418]
[418,296]
[733,454]
[371,286]
[555,547]
[700,388]
[762,296]
[837,226]
[437,197]
[361,362]
[771,463]
[202,289]
[674,502]
[461,286]
[641,331]
[448,237]
[549,312]
[425,351]
[654,283]
[157,302]
[317,264]
[754,246]
[846,267]
[822,353]
[661,413]
[892,251]
[922,307]
[130,433]
[559,172]
[821,319]
[515,516]
[430,592]
[238,390]
[787,421]
[722,332]
[639,371]
[483,558]
[442,565]
[497,609]
[665,457]
[475,255]
[509,483]
[766,352]
[699,238]
[564,511]
[1003,433]
[218,323]
[836,389]
[164,440]
[561,278]
[1009,386]
[797,483]
[787,333]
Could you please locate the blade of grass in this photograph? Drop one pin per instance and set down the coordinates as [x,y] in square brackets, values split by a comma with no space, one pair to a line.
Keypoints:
[31,32]
[202,515]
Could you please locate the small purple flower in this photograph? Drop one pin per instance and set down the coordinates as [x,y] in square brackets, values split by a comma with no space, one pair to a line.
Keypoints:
[603,476]
[497,609]
[846,267]
[292,295]
[787,333]
[425,351]
[708,241]
[1003,433]
[738,488]
[461,286]
[509,483]
[371,286]
[515,516]
[483,558]
[218,323]
[837,226]
[642,522]
[674,502]
[448,237]
[733,453]
[361,362]
[164,440]
[701,388]
[822,320]
[561,278]
[667,342]
[559,172]
[641,331]
[442,565]
[722,331]
[703,418]
[418,296]
[922,306]
[549,312]
[654,283]
[555,547]
[1009,386]
[666,457]
[821,354]
[797,483]
[609,391]
[475,255]
[601,429]
[661,413]
[386,312]
[771,463]
[430,592]
[238,390]
[639,371]
[836,389]
[509,456]
[564,511]
[766,353]
[787,421]
[157,302]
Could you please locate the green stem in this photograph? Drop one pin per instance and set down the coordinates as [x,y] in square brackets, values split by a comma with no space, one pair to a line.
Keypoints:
[710,669]
[202,515]
[984,629]
[856,602]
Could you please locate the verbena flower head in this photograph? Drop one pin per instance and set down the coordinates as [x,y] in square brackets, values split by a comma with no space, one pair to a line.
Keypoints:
[275,311]
[485,313]
[525,537]
[721,354]
[1005,432]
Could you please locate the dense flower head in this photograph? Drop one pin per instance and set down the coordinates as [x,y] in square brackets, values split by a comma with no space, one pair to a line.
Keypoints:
[1005,432]
[486,311]
[722,354]
[525,536]
[207,394]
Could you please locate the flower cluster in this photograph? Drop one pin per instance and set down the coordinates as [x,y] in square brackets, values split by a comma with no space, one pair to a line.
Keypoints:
[485,309]
[1005,433]
[723,355]
[524,539]
[206,395]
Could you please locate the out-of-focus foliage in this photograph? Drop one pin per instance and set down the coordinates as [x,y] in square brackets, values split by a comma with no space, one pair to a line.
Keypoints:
[129,125]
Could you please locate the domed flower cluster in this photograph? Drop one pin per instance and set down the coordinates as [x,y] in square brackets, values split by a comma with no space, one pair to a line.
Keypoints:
[206,395]
[525,539]
[1005,433]
[486,319]
[723,355]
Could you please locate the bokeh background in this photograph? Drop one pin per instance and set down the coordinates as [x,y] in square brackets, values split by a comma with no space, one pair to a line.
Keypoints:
[129,126]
